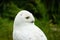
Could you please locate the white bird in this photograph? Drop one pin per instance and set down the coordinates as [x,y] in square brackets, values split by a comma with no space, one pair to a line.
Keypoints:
[25,29]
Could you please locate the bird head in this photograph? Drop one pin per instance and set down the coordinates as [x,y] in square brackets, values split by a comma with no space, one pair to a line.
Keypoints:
[24,17]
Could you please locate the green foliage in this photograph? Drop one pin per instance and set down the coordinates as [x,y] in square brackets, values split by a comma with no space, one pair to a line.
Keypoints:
[51,30]
[6,29]
[10,10]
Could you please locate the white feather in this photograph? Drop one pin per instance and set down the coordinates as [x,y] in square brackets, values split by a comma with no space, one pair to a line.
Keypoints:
[25,29]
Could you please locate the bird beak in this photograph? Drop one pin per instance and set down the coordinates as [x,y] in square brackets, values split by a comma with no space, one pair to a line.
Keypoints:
[32,21]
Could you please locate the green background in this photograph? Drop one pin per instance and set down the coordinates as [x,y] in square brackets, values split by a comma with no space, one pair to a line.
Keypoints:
[46,13]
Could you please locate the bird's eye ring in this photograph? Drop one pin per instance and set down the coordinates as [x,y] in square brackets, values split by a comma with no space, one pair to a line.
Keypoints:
[27,17]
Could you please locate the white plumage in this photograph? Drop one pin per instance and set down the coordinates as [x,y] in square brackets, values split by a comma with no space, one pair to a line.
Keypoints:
[25,29]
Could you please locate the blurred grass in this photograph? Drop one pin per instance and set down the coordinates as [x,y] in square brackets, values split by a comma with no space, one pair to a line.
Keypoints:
[51,30]
[6,29]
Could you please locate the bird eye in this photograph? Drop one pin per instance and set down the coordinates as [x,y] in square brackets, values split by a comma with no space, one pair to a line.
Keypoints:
[27,17]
